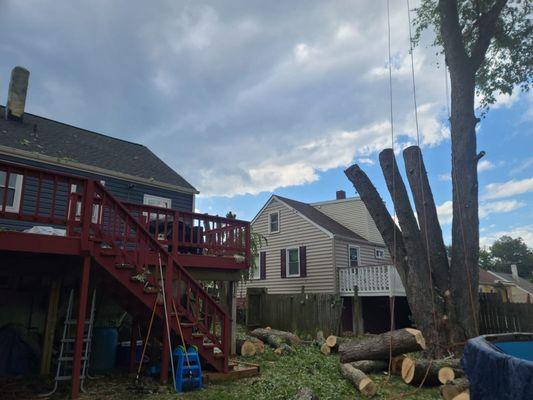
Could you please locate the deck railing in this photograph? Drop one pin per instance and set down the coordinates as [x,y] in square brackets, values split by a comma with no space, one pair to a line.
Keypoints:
[194,233]
[375,280]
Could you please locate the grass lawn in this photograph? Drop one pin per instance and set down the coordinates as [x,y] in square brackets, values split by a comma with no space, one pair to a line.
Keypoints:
[282,376]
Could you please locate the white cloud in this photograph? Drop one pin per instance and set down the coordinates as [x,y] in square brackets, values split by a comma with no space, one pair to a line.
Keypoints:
[525,232]
[508,189]
[484,165]
[445,177]
[445,210]
[367,161]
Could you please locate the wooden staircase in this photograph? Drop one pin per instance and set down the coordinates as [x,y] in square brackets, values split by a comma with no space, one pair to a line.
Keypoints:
[122,246]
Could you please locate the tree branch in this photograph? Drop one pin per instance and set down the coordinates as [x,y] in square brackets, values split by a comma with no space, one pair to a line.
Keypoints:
[486,28]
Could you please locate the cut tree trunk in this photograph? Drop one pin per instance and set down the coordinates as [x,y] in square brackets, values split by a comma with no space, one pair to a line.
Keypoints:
[325,349]
[258,344]
[454,388]
[335,341]
[305,394]
[396,364]
[379,347]
[463,396]
[430,373]
[284,349]
[359,380]
[267,334]
[370,366]
[245,348]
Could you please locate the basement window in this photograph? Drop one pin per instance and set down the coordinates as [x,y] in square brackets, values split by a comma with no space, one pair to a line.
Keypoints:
[14,189]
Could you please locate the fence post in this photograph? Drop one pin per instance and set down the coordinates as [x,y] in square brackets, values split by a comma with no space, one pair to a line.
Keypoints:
[357,312]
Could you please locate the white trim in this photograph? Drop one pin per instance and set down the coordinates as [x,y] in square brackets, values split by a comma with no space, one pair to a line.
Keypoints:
[350,246]
[376,249]
[270,222]
[163,202]
[287,258]
[16,196]
[92,169]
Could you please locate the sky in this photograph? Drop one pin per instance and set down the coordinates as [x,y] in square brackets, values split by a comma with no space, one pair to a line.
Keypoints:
[249,98]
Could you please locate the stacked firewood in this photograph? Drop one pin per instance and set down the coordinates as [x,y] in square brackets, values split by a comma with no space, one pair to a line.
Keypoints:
[372,354]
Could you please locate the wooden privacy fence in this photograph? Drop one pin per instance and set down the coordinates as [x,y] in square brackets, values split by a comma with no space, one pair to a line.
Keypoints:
[495,316]
[302,313]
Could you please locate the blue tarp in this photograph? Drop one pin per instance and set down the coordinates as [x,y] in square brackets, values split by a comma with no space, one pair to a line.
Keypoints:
[494,375]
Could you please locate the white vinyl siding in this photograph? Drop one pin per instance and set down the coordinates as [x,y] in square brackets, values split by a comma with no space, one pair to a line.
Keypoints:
[366,254]
[353,214]
[379,253]
[295,232]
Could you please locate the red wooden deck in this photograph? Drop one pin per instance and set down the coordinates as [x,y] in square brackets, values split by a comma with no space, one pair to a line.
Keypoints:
[124,240]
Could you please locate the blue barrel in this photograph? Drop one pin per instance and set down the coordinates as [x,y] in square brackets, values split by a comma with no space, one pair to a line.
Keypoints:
[124,351]
[103,349]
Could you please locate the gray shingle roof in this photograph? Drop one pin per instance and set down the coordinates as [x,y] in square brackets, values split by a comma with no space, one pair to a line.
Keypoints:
[321,219]
[69,143]
[520,282]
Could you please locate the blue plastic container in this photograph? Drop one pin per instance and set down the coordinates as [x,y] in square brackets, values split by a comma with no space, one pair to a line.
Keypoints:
[123,353]
[103,349]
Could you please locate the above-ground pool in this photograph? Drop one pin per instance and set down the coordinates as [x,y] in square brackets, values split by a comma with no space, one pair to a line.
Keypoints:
[500,367]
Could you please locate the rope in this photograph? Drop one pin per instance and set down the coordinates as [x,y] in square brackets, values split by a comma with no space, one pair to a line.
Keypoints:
[181,334]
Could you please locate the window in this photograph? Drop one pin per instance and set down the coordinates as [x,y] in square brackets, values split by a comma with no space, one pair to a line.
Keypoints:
[273,225]
[293,262]
[379,253]
[14,188]
[353,256]
[157,201]
[255,270]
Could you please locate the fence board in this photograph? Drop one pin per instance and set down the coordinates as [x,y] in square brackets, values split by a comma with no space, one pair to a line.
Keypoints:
[495,316]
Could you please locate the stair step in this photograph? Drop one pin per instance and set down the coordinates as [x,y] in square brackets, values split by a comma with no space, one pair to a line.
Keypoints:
[109,252]
[187,324]
[151,290]
[124,266]
[208,345]
[218,355]
[197,335]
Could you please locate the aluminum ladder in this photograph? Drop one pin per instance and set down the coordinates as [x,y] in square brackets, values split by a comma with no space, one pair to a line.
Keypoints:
[68,340]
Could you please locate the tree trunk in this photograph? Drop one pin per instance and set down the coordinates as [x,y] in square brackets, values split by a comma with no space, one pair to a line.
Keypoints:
[370,366]
[454,388]
[245,348]
[359,380]
[275,337]
[379,347]
[430,373]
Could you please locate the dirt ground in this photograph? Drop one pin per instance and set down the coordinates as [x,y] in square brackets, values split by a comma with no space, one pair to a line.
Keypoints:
[281,377]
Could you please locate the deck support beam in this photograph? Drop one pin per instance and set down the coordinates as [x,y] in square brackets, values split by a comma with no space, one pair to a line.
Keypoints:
[80,327]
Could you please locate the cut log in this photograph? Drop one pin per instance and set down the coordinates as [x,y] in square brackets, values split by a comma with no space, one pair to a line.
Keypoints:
[320,337]
[325,349]
[305,394]
[258,344]
[370,366]
[396,364]
[359,380]
[454,388]
[463,396]
[284,349]
[245,348]
[335,341]
[378,347]
[430,373]
[267,334]
[331,340]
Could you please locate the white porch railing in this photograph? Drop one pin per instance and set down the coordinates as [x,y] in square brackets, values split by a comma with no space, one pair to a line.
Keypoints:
[375,280]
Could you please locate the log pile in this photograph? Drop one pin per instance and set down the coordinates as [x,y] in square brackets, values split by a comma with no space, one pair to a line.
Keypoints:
[359,380]
[455,388]
[281,341]
[432,373]
[250,346]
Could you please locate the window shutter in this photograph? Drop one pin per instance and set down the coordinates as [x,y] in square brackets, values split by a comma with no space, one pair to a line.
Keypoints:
[283,264]
[262,265]
[303,261]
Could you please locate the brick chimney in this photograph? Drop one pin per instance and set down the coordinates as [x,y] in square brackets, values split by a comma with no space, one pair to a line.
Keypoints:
[16,97]
[340,195]
[514,271]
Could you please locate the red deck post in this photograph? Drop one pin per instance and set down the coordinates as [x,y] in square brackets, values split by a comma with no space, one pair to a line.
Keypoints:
[80,327]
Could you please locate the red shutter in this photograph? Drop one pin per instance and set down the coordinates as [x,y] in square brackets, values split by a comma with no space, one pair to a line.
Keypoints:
[283,264]
[303,261]
[262,265]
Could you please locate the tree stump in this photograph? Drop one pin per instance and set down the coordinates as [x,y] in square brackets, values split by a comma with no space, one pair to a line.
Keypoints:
[378,347]
[245,348]
[430,373]
[359,380]
[454,388]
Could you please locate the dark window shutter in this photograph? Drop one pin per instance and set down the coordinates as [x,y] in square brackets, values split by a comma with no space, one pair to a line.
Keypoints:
[262,265]
[283,264]
[303,261]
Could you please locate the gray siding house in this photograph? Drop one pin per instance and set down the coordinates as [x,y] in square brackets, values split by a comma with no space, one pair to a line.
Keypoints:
[325,247]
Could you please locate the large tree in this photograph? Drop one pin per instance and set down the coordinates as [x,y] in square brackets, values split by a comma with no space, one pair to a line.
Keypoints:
[488,48]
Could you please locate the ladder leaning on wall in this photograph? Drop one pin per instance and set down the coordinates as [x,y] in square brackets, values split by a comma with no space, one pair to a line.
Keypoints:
[68,340]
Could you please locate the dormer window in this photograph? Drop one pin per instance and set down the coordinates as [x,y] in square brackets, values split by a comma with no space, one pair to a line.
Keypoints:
[273,222]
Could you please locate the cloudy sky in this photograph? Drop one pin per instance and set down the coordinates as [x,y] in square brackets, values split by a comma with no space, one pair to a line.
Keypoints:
[245,98]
